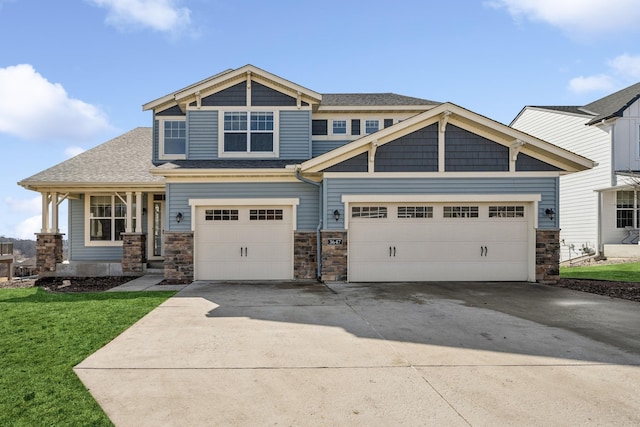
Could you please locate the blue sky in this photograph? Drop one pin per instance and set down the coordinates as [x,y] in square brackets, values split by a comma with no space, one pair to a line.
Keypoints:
[75,73]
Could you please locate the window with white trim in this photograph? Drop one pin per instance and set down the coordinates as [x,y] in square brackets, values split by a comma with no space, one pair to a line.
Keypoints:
[371,126]
[108,218]
[339,127]
[627,209]
[249,132]
[173,138]
[460,212]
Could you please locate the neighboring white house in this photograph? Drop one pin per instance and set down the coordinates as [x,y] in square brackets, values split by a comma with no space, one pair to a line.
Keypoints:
[599,208]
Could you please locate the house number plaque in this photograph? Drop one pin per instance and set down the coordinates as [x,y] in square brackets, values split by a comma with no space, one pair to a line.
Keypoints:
[335,242]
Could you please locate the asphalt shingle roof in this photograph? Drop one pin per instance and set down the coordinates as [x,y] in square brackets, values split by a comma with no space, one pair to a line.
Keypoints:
[124,159]
[371,99]
[613,105]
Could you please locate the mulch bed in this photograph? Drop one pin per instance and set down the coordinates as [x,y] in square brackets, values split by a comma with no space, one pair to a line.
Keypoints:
[81,284]
[624,290]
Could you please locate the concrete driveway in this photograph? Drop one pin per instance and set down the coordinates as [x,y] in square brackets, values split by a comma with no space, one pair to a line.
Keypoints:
[383,354]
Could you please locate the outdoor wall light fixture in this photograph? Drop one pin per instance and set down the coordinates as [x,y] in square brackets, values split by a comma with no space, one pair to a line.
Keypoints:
[179,217]
[550,213]
[336,215]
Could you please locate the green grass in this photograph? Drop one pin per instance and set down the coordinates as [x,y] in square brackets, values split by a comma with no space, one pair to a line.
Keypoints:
[629,272]
[43,335]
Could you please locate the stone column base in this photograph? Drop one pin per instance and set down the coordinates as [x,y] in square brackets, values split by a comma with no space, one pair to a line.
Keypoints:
[48,252]
[305,264]
[133,252]
[178,255]
[548,256]
[334,256]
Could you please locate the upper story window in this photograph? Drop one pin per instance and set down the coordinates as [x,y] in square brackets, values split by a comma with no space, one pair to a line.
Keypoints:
[371,126]
[339,127]
[173,138]
[249,132]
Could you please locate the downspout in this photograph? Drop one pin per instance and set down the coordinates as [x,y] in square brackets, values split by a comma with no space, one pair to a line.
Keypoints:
[320,215]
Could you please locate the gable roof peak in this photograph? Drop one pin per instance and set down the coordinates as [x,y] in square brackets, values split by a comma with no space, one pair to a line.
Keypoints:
[613,105]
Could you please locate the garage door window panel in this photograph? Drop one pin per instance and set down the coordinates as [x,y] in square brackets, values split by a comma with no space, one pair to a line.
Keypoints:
[221,215]
[415,212]
[369,212]
[266,215]
[506,211]
[460,212]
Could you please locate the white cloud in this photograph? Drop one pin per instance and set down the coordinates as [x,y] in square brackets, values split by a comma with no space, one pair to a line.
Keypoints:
[31,107]
[585,17]
[29,206]
[626,65]
[159,15]
[600,82]
[27,228]
[73,151]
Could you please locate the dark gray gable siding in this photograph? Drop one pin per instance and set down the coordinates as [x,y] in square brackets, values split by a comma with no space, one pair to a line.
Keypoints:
[321,147]
[467,152]
[232,96]
[358,163]
[295,134]
[202,133]
[525,163]
[334,188]
[415,152]
[156,142]
[263,96]
[178,196]
[173,111]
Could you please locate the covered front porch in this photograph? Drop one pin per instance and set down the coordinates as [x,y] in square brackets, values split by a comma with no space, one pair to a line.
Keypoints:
[619,225]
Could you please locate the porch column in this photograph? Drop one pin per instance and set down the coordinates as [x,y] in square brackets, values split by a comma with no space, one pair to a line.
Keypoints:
[138,212]
[45,213]
[48,252]
[128,227]
[54,213]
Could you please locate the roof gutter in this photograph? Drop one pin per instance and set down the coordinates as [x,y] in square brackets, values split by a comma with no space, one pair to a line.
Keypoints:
[319,227]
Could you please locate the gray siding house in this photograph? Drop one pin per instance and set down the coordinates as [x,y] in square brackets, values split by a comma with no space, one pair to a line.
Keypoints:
[248,176]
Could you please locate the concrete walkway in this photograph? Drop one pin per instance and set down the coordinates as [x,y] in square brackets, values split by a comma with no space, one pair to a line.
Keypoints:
[373,355]
[148,282]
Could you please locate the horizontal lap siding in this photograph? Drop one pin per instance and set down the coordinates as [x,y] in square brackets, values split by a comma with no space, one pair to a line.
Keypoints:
[295,134]
[321,147]
[77,250]
[178,196]
[202,134]
[335,188]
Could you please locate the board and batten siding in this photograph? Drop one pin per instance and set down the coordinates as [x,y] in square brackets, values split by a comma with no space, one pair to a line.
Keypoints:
[335,188]
[178,195]
[202,135]
[295,134]
[77,249]
[627,139]
[578,211]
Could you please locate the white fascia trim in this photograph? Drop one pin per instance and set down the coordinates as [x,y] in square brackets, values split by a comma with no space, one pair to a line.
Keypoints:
[254,179]
[224,172]
[440,175]
[293,202]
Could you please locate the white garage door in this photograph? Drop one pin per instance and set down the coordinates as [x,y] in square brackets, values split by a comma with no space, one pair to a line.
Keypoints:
[438,242]
[243,243]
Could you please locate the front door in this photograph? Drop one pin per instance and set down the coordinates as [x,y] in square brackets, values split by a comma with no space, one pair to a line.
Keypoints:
[156,245]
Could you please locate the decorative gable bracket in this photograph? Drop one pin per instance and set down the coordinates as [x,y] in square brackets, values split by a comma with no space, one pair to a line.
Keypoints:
[514,150]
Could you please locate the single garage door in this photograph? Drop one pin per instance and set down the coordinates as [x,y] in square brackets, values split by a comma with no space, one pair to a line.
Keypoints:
[243,243]
[438,242]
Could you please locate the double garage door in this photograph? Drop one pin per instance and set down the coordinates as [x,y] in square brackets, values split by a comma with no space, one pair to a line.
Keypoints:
[438,242]
[243,242]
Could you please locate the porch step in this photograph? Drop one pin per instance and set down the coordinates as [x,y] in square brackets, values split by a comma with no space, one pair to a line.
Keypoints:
[155,264]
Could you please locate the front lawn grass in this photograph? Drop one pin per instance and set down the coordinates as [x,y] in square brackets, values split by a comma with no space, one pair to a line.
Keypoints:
[43,335]
[629,272]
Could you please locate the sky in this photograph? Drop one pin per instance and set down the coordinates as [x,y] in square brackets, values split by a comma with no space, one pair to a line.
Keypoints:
[75,73]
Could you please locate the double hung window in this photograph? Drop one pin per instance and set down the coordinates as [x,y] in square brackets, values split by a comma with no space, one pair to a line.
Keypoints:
[173,138]
[108,218]
[627,209]
[249,132]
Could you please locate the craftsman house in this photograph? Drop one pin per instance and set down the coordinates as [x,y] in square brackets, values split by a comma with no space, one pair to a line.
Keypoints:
[247,176]
[600,207]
